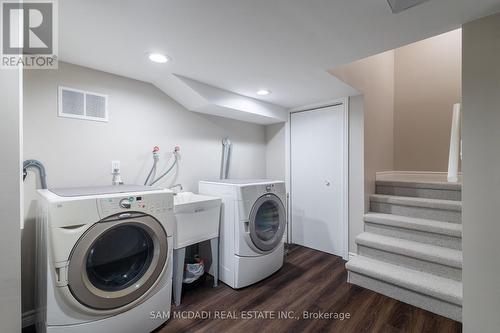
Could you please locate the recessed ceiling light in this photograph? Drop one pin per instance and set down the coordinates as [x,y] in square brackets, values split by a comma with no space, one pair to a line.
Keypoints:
[158,58]
[398,6]
[263,92]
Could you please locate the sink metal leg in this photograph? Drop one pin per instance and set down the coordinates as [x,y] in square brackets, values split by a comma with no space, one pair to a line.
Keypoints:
[178,274]
[214,245]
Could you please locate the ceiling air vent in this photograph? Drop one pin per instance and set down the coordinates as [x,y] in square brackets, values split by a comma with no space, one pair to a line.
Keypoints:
[397,6]
[79,104]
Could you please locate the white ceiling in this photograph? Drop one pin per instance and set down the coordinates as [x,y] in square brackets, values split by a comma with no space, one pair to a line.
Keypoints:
[244,45]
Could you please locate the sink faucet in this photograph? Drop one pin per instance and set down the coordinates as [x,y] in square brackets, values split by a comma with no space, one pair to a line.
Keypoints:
[176,185]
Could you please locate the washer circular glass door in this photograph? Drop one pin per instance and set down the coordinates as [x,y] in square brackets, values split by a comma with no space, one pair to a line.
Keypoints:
[116,261]
[267,222]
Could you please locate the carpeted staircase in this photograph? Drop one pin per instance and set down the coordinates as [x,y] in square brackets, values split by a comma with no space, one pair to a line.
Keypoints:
[411,249]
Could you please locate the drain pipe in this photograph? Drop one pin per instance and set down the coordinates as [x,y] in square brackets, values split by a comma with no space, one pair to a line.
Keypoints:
[226,156]
[41,171]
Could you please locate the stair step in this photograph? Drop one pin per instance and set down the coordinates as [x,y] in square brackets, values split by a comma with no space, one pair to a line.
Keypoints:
[413,223]
[431,253]
[422,282]
[432,190]
[437,260]
[433,209]
[445,234]
[418,202]
[435,185]
[433,293]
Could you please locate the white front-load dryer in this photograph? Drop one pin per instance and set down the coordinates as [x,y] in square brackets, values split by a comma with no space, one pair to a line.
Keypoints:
[253,222]
[104,259]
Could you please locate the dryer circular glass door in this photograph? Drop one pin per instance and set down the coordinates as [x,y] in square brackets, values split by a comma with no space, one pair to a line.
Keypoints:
[117,260]
[267,222]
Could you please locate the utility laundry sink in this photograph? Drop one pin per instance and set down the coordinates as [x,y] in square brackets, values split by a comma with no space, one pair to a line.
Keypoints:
[196,218]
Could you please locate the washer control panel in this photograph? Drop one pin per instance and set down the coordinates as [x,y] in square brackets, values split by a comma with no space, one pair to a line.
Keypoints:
[148,203]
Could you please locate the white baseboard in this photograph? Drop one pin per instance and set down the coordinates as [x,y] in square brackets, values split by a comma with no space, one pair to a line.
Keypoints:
[414,176]
[352,255]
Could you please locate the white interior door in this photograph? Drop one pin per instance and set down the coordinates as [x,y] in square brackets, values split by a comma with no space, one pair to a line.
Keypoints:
[318,172]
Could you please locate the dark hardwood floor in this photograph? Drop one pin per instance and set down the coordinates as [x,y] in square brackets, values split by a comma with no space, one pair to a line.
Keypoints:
[310,281]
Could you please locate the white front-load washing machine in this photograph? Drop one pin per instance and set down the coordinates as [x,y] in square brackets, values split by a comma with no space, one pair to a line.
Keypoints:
[104,259]
[253,222]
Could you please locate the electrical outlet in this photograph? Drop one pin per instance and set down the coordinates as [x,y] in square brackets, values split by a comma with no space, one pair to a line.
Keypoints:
[115,165]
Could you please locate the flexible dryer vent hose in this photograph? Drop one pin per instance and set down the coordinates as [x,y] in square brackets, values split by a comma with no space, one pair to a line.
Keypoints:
[226,158]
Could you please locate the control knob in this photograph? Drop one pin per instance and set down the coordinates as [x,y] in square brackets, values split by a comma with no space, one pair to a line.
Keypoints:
[125,203]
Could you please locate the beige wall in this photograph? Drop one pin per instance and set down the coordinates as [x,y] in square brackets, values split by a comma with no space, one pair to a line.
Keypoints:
[10,200]
[427,82]
[78,152]
[374,77]
[481,165]
[412,89]
[408,97]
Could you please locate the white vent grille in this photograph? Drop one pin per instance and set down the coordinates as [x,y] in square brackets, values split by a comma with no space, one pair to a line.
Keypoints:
[72,103]
[79,104]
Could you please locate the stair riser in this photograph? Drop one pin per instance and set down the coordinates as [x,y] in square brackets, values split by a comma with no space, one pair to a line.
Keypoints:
[426,302]
[419,192]
[419,212]
[410,262]
[414,235]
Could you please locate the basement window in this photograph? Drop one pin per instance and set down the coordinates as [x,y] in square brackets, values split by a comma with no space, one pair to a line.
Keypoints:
[80,104]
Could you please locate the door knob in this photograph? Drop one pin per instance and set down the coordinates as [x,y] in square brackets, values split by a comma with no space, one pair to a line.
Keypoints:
[327,183]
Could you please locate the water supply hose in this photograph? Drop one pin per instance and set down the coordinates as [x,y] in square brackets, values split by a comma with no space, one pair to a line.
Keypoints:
[176,158]
[152,172]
